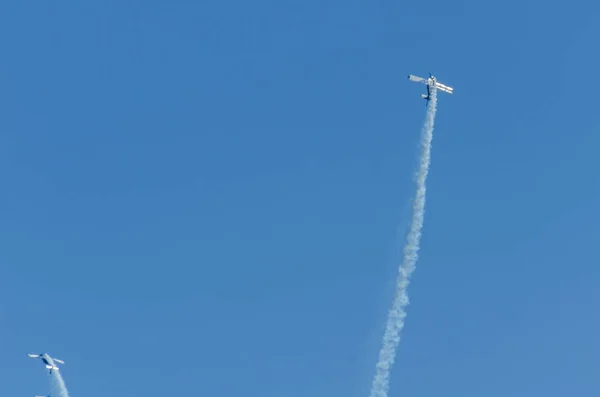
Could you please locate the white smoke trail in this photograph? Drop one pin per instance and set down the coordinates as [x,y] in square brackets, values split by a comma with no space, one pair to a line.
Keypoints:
[397,314]
[58,386]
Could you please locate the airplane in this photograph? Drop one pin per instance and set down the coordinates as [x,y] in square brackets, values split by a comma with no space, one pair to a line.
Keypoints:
[430,82]
[49,361]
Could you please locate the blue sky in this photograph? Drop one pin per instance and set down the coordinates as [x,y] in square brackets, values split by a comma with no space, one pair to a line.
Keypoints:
[210,198]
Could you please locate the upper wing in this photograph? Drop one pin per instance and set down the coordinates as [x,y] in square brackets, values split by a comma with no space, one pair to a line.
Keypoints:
[443,87]
[58,361]
[33,355]
[417,79]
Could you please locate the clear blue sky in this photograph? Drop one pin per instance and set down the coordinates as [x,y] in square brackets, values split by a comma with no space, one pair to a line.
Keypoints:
[209,198]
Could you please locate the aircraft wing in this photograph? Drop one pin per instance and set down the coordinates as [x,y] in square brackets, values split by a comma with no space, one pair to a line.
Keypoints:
[417,79]
[34,355]
[58,361]
[444,88]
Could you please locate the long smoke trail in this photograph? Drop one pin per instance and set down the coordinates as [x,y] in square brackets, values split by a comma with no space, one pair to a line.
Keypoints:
[58,386]
[397,314]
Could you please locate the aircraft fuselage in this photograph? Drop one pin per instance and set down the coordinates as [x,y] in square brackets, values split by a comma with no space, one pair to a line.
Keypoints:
[47,360]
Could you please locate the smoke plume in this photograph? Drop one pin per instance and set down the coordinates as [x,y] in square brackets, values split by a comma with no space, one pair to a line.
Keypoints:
[397,313]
